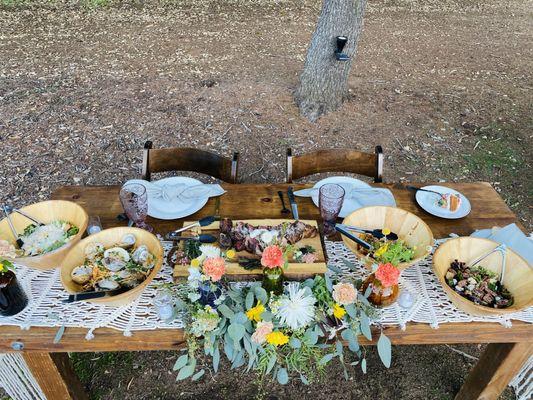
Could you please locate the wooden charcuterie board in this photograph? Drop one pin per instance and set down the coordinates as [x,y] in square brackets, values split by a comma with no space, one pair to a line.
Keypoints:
[295,270]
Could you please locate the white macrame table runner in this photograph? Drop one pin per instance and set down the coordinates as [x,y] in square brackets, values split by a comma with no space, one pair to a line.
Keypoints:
[46,309]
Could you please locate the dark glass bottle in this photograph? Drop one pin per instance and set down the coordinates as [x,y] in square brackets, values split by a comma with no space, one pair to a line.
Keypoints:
[12,297]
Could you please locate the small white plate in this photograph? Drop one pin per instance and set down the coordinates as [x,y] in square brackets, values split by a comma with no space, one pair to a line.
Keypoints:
[428,201]
[177,208]
[348,184]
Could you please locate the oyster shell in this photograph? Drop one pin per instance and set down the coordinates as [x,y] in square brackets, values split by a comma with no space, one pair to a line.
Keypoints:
[127,241]
[129,279]
[94,251]
[82,274]
[108,284]
[115,259]
[141,254]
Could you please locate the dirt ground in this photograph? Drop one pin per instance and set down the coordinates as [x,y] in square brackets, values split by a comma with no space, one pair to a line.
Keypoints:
[444,86]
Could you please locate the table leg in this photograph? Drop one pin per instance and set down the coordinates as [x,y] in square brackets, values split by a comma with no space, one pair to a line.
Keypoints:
[497,366]
[55,376]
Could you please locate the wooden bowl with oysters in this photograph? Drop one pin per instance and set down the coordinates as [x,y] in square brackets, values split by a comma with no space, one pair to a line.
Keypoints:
[117,263]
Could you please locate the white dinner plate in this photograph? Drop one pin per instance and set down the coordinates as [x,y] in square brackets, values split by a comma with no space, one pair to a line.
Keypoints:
[177,208]
[348,184]
[428,201]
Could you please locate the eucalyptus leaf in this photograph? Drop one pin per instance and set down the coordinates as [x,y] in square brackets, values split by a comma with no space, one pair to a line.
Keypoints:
[368,290]
[350,265]
[385,350]
[363,299]
[185,372]
[283,376]
[266,316]
[295,343]
[271,363]
[181,362]
[236,331]
[339,347]
[198,375]
[261,294]
[304,379]
[249,303]
[365,326]
[311,337]
[228,350]
[310,283]
[225,311]
[329,284]
[363,365]
[326,359]
[335,269]
[59,334]
[240,318]
[216,359]
[351,310]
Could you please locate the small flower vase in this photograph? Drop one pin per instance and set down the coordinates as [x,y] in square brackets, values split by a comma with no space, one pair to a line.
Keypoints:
[273,279]
[380,296]
[209,292]
[12,297]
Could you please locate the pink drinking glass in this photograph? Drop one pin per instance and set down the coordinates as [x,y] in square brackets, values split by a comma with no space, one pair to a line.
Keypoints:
[134,200]
[330,199]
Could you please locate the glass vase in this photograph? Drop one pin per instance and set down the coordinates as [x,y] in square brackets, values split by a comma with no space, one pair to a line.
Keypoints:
[209,292]
[12,297]
[273,279]
[380,296]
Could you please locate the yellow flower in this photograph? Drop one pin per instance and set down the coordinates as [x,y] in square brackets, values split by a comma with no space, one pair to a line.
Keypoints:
[231,253]
[385,231]
[254,313]
[277,338]
[195,263]
[338,311]
[382,250]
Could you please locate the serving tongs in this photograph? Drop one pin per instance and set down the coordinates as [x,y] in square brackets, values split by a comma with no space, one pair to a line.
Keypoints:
[23,213]
[502,249]
[202,238]
[343,231]
[94,295]
[202,222]
[18,240]
[377,233]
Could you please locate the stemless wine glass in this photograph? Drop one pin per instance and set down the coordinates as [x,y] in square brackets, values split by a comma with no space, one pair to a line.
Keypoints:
[134,200]
[330,199]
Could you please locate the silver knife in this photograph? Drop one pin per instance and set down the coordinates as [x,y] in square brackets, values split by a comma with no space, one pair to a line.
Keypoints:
[294,206]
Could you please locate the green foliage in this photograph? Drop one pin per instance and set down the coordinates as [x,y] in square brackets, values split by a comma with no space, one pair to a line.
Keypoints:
[5,266]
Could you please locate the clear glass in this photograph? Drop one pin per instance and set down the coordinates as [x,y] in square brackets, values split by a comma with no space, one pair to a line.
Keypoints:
[94,225]
[330,199]
[164,305]
[134,200]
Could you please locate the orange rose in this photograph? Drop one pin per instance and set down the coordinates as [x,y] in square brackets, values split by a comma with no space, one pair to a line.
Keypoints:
[387,274]
[214,268]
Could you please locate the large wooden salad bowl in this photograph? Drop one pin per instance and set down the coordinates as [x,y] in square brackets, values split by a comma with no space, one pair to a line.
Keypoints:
[518,278]
[46,212]
[409,228]
[109,238]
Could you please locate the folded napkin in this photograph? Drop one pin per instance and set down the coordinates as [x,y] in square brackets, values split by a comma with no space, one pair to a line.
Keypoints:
[512,236]
[355,192]
[185,193]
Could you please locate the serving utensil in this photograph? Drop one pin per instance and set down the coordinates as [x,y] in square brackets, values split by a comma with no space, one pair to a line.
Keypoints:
[377,233]
[502,249]
[284,210]
[202,222]
[32,219]
[292,201]
[416,189]
[19,241]
[94,295]
[203,238]
[340,228]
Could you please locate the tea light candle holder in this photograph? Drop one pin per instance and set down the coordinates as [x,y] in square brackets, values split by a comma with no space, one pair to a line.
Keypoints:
[164,305]
[406,299]
[94,225]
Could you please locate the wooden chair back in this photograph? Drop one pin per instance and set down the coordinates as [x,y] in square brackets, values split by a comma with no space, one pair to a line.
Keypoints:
[189,159]
[335,160]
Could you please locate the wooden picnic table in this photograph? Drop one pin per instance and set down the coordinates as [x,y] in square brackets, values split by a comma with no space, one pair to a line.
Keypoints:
[507,351]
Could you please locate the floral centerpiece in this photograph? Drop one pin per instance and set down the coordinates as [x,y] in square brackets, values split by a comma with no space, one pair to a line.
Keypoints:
[383,285]
[294,333]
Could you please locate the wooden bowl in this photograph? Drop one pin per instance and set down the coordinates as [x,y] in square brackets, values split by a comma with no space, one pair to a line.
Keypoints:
[406,225]
[518,277]
[108,238]
[46,211]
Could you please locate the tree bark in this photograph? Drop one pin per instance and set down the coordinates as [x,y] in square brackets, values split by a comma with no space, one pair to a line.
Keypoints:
[324,80]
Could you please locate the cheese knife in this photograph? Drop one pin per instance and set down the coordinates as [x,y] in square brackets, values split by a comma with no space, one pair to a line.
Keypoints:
[94,295]
[294,206]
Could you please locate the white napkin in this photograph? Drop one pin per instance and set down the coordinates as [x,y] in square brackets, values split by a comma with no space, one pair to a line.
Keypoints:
[363,196]
[513,237]
[182,192]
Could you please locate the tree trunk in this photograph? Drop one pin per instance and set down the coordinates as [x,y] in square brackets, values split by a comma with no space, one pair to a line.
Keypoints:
[324,80]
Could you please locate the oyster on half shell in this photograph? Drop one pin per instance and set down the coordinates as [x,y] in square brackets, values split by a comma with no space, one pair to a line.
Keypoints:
[141,254]
[115,259]
[127,241]
[82,274]
[94,251]
[108,284]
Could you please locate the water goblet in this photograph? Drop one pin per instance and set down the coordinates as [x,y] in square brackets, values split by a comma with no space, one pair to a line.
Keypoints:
[330,199]
[134,200]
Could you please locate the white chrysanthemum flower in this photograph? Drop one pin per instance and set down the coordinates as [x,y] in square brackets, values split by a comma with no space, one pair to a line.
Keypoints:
[297,308]
[209,251]
[194,278]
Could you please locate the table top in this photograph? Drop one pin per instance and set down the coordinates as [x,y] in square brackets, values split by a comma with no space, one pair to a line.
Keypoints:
[254,201]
